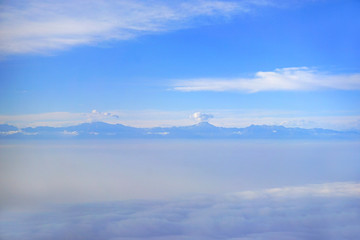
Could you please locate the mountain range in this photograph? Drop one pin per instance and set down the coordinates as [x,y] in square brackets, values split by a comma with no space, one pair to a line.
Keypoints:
[203,130]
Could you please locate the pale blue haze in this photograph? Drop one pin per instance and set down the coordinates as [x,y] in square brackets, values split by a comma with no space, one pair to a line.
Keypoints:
[179,190]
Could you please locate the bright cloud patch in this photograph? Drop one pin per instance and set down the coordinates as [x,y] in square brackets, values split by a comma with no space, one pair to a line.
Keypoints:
[9,133]
[98,116]
[73,133]
[201,117]
[283,79]
[313,214]
[316,190]
[39,26]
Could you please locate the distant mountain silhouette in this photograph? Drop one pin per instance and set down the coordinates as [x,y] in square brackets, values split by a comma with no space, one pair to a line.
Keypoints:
[7,128]
[201,130]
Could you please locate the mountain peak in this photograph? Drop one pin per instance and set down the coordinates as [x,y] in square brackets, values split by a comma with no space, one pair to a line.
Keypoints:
[204,124]
[7,127]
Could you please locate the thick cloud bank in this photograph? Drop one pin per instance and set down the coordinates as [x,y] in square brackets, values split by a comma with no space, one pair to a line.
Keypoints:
[322,211]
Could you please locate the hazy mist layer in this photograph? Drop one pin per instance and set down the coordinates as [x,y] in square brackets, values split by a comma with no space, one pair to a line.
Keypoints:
[87,171]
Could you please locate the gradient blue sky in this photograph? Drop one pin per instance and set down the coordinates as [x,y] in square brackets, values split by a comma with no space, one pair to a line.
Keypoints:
[155,63]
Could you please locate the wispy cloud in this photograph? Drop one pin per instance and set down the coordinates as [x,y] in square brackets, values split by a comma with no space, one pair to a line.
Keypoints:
[282,79]
[42,26]
[337,189]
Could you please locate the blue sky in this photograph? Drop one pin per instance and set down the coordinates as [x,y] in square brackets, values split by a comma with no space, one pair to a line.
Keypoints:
[155,63]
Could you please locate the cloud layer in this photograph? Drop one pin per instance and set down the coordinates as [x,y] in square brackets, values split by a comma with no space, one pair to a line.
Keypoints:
[282,79]
[40,26]
[156,118]
[57,119]
[321,211]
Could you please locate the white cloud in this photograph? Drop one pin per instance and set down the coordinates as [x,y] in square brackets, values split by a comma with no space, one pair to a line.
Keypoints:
[99,116]
[282,79]
[73,133]
[337,189]
[9,133]
[158,133]
[330,216]
[42,26]
[201,117]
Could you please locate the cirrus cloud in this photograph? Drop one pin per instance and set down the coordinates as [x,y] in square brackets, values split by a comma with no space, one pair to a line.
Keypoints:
[38,26]
[282,79]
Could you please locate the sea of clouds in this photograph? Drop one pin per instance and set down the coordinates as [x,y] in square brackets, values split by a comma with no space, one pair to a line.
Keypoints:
[116,190]
[319,211]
